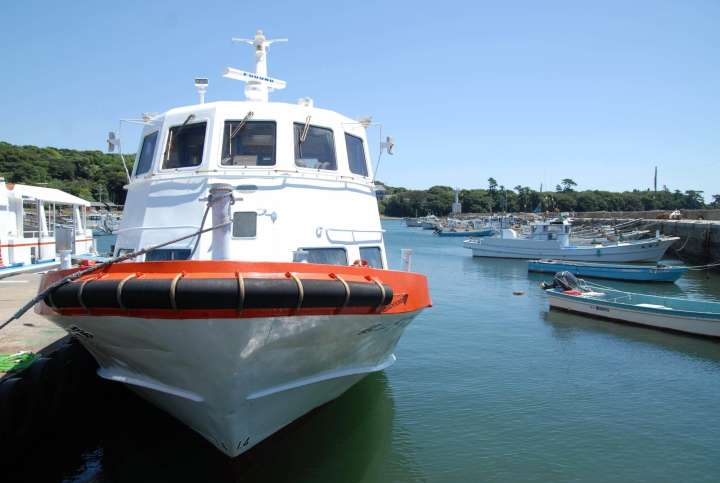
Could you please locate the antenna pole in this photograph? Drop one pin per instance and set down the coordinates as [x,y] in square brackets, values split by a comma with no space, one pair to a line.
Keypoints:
[258,85]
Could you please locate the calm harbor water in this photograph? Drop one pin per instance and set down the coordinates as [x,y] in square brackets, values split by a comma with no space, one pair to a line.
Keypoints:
[488,386]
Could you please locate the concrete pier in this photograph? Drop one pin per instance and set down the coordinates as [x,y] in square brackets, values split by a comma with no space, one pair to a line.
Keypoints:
[31,332]
[40,402]
[699,239]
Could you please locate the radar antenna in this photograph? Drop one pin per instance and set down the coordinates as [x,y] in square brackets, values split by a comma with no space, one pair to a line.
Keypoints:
[258,84]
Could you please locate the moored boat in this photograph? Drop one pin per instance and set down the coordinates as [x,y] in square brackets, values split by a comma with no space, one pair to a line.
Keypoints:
[551,240]
[413,222]
[683,315]
[283,305]
[31,218]
[458,232]
[637,273]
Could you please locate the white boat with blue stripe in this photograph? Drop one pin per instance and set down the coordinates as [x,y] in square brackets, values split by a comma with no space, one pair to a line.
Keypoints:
[696,317]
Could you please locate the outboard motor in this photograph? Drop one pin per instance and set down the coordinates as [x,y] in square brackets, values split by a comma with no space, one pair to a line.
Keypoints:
[565,281]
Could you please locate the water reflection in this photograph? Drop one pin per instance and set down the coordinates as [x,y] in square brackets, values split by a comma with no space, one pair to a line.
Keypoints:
[566,326]
[127,439]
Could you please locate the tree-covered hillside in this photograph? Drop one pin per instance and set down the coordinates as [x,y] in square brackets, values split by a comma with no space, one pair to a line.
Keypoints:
[497,198]
[92,175]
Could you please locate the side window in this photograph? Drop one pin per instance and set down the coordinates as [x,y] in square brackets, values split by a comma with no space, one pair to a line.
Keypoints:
[316,149]
[244,224]
[356,154]
[165,254]
[249,144]
[329,256]
[185,146]
[145,158]
[372,255]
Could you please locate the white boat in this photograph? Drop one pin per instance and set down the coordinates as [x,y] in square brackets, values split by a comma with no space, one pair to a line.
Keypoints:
[288,300]
[413,222]
[430,222]
[29,216]
[551,240]
[690,316]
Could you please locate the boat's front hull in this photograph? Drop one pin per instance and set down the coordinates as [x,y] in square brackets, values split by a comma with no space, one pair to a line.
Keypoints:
[237,381]
[647,316]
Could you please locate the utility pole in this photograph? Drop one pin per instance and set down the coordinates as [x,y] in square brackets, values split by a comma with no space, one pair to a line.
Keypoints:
[655,181]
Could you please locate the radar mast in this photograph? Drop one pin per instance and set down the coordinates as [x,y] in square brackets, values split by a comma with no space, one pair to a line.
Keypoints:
[258,84]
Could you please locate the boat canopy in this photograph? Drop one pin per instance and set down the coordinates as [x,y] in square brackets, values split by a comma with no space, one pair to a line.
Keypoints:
[41,193]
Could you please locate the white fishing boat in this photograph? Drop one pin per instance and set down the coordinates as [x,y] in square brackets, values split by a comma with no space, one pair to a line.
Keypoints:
[430,222]
[285,302]
[691,316]
[413,222]
[29,219]
[551,240]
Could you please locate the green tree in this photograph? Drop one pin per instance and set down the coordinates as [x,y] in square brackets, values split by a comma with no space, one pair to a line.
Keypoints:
[568,184]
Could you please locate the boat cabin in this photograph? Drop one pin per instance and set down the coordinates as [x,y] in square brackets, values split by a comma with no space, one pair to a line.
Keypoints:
[301,177]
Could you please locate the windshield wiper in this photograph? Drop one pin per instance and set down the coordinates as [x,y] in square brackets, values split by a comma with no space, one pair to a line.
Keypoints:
[172,137]
[306,128]
[241,125]
[234,133]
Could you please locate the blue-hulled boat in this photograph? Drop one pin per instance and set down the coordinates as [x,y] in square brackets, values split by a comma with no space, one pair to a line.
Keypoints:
[691,316]
[465,233]
[635,273]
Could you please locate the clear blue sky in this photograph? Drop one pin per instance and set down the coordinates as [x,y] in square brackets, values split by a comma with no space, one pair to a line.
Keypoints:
[524,91]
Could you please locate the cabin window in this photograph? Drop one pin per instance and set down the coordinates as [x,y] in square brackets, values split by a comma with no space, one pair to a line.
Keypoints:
[372,255]
[144,162]
[249,144]
[317,149]
[328,256]
[356,154]
[165,254]
[244,224]
[185,146]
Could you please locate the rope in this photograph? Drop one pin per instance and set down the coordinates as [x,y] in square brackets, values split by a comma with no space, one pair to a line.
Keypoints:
[74,276]
[687,238]
[705,267]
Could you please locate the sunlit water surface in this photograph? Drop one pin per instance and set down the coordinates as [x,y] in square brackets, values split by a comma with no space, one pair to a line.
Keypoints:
[488,386]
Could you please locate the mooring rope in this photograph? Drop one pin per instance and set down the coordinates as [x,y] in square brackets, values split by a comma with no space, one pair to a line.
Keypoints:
[75,275]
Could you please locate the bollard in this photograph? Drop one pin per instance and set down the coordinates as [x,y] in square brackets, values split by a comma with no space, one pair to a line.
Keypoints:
[65,259]
[406,258]
[220,199]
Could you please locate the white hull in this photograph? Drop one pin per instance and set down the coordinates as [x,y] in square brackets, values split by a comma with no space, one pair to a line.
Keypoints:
[237,381]
[650,251]
[664,320]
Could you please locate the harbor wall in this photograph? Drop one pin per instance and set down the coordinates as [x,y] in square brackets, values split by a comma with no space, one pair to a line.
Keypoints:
[653,214]
[699,239]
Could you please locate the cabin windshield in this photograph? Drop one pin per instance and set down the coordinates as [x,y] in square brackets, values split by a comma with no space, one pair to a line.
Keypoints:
[144,162]
[317,150]
[356,154]
[185,146]
[249,144]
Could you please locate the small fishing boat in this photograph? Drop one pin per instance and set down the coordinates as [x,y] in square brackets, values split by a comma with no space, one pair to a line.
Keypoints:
[551,239]
[690,316]
[413,222]
[430,222]
[464,232]
[636,273]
